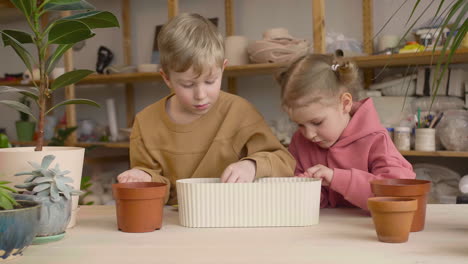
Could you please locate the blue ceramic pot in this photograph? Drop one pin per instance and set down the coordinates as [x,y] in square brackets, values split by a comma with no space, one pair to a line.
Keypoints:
[54,216]
[18,227]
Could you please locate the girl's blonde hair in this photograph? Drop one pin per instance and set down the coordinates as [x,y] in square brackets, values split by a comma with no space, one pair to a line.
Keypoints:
[190,40]
[315,77]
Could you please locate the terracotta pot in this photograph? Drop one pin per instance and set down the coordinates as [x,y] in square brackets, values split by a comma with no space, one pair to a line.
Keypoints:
[139,205]
[409,188]
[392,217]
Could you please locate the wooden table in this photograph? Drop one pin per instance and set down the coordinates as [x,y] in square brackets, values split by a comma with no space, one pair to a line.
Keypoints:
[343,236]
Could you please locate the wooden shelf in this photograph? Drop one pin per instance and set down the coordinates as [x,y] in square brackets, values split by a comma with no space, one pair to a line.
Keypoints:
[405,59]
[395,60]
[103,144]
[441,153]
[80,144]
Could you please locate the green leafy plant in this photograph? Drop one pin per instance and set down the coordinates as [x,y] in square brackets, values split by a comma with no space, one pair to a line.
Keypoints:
[61,136]
[24,100]
[453,16]
[48,182]
[60,34]
[4,142]
[7,202]
[85,186]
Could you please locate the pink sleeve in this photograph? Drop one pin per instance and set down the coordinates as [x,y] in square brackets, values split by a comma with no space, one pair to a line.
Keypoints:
[294,149]
[384,162]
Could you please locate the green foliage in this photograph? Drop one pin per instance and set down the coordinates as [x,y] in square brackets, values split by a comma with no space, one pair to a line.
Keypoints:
[24,100]
[61,137]
[4,142]
[454,17]
[7,202]
[48,182]
[85,186]
[59,36]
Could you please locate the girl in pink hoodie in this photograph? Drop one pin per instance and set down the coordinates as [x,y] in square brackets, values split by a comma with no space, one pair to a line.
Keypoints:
[339,141]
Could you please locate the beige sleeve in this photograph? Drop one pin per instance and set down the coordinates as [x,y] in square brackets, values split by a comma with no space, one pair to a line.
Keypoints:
[142,160]
[259,144]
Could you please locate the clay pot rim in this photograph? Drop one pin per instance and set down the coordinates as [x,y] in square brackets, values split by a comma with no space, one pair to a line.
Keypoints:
[392,204]
[400,187]
[139,185]
[139,190]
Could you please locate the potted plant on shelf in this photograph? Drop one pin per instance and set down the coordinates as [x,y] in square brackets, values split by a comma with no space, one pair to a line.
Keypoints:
[18,223]
[453,16]
[49,186]
[58,36]
[24,127]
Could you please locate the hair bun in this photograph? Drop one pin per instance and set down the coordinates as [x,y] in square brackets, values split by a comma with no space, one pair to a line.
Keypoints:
[346,71]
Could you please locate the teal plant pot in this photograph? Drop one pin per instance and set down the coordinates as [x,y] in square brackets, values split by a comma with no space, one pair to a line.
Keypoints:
[25,130]
[18,227]
[54,217]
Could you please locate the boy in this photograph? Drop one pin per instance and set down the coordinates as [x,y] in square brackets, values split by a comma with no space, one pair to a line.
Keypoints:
[198,131]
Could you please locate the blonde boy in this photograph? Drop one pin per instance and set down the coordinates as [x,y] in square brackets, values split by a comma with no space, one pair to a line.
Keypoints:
[198,131]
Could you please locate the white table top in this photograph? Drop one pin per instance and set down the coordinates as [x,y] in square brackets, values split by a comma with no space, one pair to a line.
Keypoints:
[342,236]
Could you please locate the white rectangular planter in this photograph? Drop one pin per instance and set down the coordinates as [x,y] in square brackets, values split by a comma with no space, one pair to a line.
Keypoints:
[288,201]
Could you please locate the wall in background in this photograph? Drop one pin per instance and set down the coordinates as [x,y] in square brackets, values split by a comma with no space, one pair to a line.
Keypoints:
[252,20]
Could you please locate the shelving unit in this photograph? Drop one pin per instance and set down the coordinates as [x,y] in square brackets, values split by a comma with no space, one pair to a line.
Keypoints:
[367,63]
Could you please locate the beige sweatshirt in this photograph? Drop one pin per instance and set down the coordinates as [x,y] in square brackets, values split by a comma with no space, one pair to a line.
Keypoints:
[231,131]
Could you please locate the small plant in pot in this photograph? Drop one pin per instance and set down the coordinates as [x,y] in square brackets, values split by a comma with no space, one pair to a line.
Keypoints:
[51,188]
[19,222]
[24,127]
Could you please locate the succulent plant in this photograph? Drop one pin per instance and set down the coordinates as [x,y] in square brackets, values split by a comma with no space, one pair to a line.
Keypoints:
[7,202]
[48,182]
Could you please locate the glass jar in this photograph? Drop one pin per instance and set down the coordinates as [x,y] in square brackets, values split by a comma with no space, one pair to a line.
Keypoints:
[402,138]
[453,130]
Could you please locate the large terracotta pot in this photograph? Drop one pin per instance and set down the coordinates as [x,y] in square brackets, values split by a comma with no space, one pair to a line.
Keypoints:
[409,188]
[18,227]
[392,217]
[139,205]
[14,160]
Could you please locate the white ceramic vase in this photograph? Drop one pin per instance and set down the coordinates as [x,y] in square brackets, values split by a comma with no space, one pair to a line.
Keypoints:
[15,160]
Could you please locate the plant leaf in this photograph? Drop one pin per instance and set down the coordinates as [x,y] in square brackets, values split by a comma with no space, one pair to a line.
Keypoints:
[30,179]
[46,161]
[20,36]
[29,92]
[25,185]
[19,49]
[18,107]
[41,187]
[5,202]
[24,173]
[412,11]
[44,193]
[69,78]
[42,180]
[73,101]
[69,32]
[54,193]
[26,6]
[4,182]
[96,19]
[62,5]
[65,179]
[55,57]
[7,188]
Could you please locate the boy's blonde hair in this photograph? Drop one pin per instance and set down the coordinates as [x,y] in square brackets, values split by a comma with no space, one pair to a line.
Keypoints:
[316,78]
[190,40]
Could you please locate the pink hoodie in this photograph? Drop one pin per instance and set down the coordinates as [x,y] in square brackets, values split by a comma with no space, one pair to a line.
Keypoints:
[363,152]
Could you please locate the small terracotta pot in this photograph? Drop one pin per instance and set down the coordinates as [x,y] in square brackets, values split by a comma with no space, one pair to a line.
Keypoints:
[139,205]
[409,188]
[392,217]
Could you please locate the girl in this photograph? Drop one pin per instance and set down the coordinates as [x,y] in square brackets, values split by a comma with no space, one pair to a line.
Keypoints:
[339,141]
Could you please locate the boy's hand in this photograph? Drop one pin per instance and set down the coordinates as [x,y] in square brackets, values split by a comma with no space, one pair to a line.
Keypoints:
[134,175]
[241,171]
[319,172]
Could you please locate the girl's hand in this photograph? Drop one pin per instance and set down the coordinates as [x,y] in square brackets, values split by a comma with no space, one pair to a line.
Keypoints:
[241,171]
[319,172]
[134,175]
